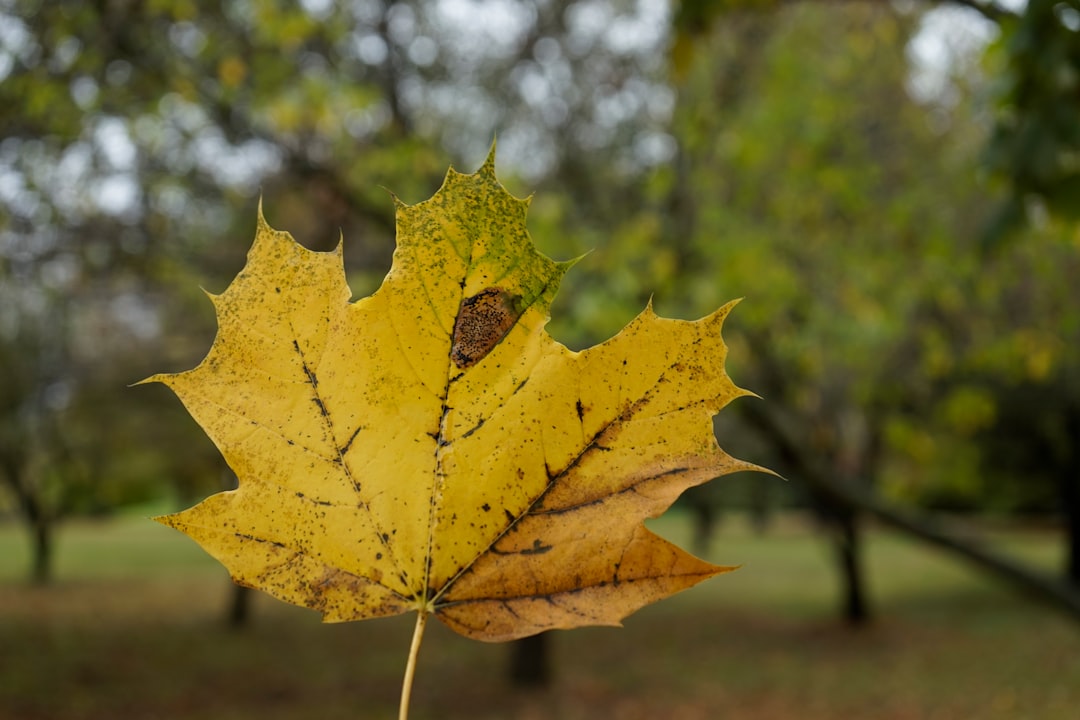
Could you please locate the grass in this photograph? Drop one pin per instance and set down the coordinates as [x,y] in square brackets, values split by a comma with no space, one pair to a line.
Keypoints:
[134,629]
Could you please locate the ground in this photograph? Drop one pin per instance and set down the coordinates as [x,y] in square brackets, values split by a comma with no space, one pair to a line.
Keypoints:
[134,628]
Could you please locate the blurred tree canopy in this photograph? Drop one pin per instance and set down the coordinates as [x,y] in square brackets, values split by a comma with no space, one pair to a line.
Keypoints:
[804,155]
[1036,125]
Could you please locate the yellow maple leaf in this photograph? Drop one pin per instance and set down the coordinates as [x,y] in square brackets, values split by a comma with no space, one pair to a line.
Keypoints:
[432,448]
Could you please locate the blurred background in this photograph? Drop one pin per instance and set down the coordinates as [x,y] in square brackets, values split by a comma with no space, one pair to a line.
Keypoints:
[893,187]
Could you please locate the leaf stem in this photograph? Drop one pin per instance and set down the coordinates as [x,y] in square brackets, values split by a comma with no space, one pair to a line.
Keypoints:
[410,668]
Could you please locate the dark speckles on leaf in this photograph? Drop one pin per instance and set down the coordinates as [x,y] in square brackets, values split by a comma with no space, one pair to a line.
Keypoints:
[509,515]
[252,538]
[485,507]
[345,448]
[538,548]
[307,371]
[482,321]
[323,503]
[474,428]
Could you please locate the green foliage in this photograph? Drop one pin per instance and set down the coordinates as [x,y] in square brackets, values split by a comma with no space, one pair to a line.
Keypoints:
[1037,131]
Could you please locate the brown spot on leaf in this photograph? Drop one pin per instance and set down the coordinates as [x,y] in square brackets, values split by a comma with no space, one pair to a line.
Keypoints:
[483,320]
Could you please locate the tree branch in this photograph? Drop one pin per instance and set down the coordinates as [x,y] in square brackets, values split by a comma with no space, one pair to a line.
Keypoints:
[1040,586]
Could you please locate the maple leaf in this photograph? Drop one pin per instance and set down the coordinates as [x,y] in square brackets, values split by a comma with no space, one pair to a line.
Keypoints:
[432,448]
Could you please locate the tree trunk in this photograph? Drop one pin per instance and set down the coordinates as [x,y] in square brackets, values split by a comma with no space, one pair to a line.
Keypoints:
[530,662]
[39,523]
[849,547]
[760,510]
[1070,504]
[842,525]
[239,607]
[42,562]
[1071,507]
[704,514]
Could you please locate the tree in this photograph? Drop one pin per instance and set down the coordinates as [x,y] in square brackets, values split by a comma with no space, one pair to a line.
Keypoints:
[864,221]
